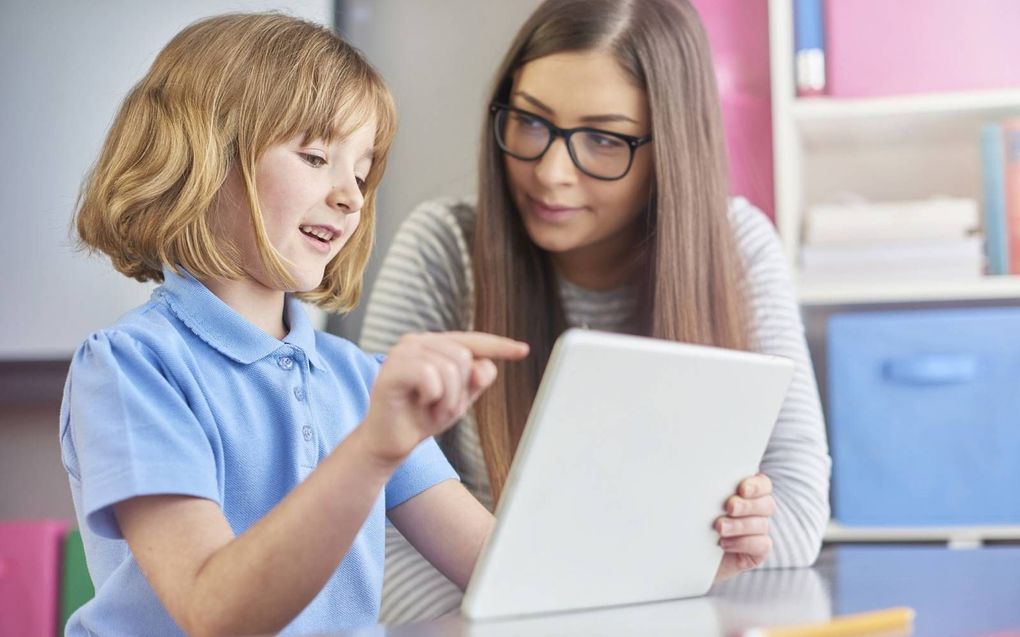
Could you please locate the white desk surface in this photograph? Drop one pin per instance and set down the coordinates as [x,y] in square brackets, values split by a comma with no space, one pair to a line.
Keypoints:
[956,593]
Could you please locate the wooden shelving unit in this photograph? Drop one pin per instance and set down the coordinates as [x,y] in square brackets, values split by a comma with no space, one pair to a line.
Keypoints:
[887,148]
[890,148]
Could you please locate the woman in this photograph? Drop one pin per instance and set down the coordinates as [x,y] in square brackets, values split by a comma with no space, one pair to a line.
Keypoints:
[603,203]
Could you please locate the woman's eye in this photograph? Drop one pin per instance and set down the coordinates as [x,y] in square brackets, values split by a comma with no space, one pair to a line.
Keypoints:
[605,141]
[529,122]
[362,184]
[313,160]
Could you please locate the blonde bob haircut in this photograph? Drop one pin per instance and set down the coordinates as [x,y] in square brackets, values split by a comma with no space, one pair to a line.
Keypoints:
[219,95]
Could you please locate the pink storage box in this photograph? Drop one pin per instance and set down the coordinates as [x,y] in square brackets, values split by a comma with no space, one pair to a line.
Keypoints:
[30,577]
[890,47]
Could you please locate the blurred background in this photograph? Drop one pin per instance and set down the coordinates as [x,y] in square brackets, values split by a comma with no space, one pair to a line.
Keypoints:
[881,136]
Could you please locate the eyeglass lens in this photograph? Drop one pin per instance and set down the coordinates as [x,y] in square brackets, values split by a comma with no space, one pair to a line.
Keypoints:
[528,138]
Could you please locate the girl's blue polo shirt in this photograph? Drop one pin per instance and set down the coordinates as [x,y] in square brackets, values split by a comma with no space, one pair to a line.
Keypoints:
[185,396]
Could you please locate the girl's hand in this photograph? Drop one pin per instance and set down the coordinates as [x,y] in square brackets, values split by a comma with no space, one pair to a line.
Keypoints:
[744,530]
[426,383]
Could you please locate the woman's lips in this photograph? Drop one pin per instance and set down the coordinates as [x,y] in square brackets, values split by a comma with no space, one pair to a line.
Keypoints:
[552,212]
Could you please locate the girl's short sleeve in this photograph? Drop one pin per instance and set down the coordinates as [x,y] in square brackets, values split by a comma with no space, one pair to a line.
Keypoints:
[127,431]
[423,469]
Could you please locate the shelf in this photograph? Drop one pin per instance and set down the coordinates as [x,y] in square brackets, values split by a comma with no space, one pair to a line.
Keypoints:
[826,122]
[883,148]
[982,102]
[955,535]
[878,292]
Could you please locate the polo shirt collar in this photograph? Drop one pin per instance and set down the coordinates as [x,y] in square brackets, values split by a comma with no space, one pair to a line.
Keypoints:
[302,333]
[224,329]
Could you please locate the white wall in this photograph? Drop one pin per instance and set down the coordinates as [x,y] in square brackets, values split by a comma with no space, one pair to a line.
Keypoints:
[438,57]
[65,65]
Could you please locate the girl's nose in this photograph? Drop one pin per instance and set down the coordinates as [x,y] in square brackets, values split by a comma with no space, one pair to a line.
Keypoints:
[346,196]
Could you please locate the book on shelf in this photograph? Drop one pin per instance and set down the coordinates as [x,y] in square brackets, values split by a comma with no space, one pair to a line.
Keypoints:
[936,259]
[1011,173]
[993,172]
[862,275]
[930,239]
[867,221]
[809,47]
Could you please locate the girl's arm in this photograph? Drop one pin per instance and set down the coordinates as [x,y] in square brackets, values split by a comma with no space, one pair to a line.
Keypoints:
[213,583]
[424,284]
[448,526]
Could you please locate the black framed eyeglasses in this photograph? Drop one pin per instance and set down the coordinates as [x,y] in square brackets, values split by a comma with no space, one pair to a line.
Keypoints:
[597,153]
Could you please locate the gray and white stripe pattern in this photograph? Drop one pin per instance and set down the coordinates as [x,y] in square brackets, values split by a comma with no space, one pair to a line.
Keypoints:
[426,284]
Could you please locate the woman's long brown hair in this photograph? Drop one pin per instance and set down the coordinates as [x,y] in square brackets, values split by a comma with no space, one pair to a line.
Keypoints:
[690,276]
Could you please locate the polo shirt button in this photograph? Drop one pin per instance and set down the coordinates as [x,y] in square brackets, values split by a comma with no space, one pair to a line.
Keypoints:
[299,393]
[306,432]
[286,362]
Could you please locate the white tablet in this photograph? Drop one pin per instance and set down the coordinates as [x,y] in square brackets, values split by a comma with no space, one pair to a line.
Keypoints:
[631,448]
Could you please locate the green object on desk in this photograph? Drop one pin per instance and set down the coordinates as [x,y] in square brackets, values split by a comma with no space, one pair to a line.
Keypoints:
[75,584]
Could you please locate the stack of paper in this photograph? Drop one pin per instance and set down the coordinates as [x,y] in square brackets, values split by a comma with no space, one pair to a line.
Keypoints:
[930,239]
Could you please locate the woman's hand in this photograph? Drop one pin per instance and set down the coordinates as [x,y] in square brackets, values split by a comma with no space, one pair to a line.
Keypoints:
[426,383]
[744,530]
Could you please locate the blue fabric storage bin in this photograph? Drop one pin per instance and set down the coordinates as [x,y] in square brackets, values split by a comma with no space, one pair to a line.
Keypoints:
[924,417]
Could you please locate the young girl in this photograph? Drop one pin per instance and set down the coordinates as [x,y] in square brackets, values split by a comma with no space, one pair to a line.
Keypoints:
[231,467]
[603,203]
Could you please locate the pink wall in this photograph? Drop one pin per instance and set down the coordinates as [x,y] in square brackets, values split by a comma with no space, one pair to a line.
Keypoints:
[739,34]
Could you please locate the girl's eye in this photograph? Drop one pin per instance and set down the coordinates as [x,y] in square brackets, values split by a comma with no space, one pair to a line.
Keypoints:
[313,160]
[362,184]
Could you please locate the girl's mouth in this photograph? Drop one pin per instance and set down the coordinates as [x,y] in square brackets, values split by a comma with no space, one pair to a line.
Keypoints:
[322,233]
[320,238]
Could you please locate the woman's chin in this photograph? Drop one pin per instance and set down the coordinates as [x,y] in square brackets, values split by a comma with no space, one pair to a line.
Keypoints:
[556,242]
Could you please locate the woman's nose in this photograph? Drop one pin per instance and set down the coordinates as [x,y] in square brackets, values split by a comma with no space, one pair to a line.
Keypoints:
[556,166]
